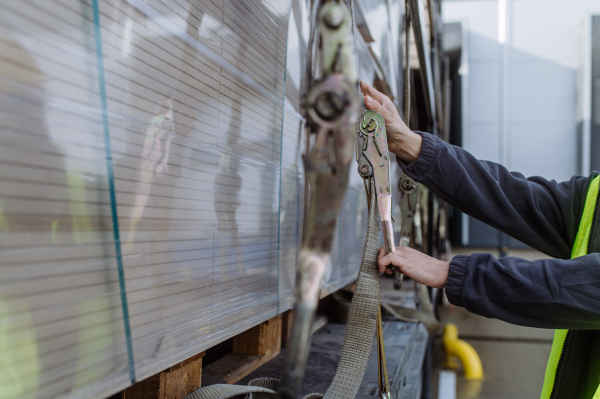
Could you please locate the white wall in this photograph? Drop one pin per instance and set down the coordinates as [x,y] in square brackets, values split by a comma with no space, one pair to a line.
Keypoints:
[523,95]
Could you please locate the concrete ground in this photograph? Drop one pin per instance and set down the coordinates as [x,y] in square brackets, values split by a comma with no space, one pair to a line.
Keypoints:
[513,357]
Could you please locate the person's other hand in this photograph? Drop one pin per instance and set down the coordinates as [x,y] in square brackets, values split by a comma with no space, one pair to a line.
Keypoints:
[401,140]
[416,265]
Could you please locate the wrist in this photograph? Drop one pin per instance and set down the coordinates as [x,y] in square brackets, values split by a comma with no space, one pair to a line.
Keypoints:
[407,146]
[445,270]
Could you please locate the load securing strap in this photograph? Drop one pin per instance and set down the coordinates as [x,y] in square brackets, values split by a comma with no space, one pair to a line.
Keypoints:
[362,319]
[225,391]
[360,332]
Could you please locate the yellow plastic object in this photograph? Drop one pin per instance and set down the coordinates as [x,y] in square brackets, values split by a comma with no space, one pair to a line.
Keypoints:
[456,348]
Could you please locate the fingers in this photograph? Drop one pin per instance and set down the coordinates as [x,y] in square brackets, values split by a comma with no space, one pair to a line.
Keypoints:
[389,259]
[372,92]
[378,102]
[374,105]
[384,260]
[381,254]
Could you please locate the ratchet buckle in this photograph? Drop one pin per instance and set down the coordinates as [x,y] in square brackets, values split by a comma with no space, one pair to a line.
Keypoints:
[373,159]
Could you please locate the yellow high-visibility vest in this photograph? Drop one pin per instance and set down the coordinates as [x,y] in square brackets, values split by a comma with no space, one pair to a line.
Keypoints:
[580,248]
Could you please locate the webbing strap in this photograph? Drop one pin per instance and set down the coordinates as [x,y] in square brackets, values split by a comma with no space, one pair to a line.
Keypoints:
[362,319]
[258,388]
[360,332]
[225,391]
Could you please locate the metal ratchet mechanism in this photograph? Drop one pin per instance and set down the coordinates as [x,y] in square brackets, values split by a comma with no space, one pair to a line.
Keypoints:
[332,105]
[373,159]
[408,207]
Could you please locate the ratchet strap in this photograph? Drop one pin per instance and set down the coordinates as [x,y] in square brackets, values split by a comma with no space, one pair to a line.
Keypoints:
[332,107]
[360,332]
[362,319]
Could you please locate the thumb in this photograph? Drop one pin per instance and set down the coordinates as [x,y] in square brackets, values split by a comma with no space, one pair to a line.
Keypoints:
[383,260]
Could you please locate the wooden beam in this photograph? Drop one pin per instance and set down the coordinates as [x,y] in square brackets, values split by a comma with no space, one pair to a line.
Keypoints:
[174,383]
[261,340]
[286,326]
[251,349]
[232,368]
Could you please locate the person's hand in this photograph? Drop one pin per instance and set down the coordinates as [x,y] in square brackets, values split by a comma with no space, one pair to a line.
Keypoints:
[401,140]
[416,265]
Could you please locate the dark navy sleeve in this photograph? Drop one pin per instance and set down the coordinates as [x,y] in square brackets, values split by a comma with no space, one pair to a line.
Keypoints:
[541,213]
[547,293]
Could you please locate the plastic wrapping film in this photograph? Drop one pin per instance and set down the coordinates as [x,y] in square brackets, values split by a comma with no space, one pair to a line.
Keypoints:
[151,188]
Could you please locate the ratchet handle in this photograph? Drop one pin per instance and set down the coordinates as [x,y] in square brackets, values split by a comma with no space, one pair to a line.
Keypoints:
[404,242]
[398,277]
[385,214]
[388,238]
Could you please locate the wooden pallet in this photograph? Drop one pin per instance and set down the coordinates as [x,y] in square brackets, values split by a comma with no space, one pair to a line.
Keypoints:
[176,382]
[250,350]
